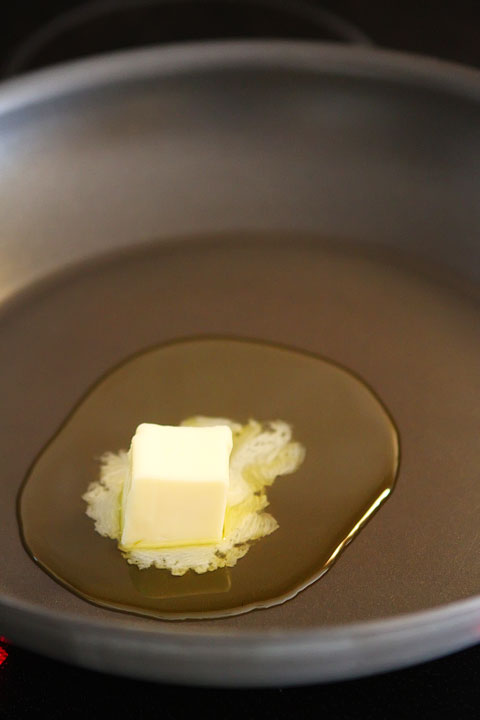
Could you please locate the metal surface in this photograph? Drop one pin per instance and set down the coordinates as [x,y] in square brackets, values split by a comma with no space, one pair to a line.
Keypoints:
[217,139]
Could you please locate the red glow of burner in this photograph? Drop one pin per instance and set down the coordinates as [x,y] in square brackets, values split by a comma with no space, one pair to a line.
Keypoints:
[3,655]
[3,652]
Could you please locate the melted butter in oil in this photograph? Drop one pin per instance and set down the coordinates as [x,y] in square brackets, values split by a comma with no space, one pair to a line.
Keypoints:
[349,469]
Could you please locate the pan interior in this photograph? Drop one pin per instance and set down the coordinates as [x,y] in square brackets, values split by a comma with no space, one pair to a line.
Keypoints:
[409,334]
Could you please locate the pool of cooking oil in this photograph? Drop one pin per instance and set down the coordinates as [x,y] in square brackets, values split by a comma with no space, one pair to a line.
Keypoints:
[349,470]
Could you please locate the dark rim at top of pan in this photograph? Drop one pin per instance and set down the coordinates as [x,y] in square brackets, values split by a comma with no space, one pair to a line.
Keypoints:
[252,657]
[327,58]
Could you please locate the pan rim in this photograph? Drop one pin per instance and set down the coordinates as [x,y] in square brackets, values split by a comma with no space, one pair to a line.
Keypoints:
[325,57]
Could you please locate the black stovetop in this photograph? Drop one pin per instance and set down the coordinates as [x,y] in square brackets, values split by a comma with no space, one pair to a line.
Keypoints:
[30,684]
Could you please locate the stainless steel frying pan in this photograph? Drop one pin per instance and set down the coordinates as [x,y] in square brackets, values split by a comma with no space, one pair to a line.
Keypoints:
[221,139]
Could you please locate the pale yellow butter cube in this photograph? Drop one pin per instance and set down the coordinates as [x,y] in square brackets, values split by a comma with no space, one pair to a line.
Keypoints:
[176,492]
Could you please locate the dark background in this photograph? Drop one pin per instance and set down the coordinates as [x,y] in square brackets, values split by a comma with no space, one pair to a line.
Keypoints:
[448,29]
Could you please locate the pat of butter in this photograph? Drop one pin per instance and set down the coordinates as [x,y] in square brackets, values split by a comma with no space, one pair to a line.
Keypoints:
[176,491]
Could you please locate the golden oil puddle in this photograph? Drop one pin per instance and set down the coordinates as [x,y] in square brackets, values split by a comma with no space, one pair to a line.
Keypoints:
[350,468]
